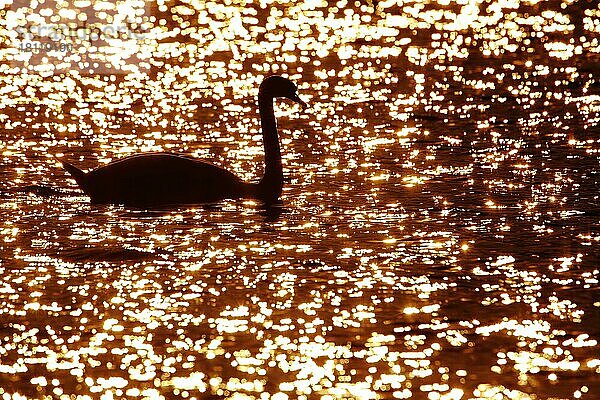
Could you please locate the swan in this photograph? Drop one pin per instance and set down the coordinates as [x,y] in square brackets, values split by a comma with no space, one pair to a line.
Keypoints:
[159,179]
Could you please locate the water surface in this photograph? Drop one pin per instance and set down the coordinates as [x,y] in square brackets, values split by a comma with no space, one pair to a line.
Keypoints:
[439,228]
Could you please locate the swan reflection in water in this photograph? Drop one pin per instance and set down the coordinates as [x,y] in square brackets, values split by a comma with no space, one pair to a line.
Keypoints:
[162,179]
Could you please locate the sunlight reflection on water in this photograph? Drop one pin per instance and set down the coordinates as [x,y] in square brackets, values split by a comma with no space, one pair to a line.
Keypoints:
[440,208]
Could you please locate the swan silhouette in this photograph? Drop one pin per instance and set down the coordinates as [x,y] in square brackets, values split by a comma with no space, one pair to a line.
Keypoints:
[159,179]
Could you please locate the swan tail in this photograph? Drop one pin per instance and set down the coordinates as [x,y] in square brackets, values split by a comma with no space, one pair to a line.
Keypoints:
[77,174]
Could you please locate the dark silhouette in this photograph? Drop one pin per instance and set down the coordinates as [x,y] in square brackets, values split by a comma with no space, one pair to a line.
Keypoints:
[159,179]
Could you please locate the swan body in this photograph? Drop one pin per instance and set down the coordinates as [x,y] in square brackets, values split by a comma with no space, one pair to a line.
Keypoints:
[158,179]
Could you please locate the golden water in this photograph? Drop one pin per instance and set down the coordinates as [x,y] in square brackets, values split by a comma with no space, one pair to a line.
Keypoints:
[440,223]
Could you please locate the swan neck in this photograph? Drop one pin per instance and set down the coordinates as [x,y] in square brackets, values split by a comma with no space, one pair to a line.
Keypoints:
[269,131]
[272,181]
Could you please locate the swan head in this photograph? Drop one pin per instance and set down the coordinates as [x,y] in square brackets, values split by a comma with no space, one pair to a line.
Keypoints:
[278,86]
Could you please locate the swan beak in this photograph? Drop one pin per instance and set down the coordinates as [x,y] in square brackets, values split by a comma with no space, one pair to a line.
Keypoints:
[298,100]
